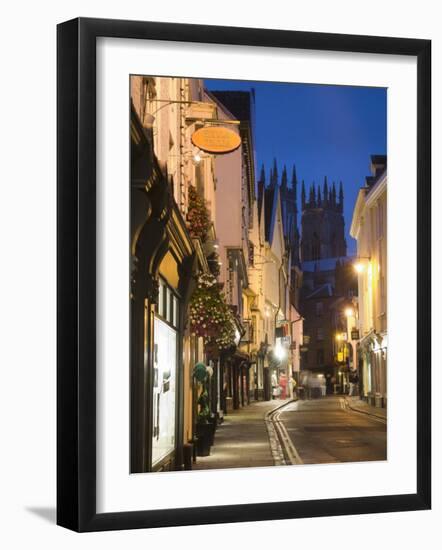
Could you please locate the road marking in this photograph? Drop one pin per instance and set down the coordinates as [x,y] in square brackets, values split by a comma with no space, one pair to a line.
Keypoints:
[275,445]
[287,442]
[281,444]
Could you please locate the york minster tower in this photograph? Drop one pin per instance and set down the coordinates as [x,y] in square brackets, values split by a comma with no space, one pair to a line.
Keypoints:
[322,223]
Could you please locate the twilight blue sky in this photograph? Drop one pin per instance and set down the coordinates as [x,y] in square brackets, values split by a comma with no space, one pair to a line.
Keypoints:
[323,130]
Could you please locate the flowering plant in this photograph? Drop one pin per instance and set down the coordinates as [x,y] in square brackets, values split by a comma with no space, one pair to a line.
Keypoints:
[210,316]
[198,218]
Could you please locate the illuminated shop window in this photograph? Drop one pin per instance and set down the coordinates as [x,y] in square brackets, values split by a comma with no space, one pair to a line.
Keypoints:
[164,375]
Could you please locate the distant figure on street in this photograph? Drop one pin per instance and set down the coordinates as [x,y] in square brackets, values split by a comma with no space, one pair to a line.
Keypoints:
[283,385]
[292,387]
[354,381]
[275,386]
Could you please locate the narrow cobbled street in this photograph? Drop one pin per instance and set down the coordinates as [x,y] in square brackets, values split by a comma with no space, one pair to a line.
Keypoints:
[325,430]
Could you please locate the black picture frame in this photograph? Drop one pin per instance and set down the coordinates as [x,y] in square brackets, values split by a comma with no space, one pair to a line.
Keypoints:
[76,274]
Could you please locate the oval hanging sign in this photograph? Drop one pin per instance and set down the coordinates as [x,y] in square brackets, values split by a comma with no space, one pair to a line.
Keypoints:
[216,139]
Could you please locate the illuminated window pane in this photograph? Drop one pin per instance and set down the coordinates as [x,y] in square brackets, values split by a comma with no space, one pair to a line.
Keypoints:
[164,402]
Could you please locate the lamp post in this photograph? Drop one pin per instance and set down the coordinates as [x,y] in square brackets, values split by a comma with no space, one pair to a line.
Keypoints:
[341,338]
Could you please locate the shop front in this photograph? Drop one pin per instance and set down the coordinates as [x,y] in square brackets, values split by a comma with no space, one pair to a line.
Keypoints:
[373,359]
[162,259]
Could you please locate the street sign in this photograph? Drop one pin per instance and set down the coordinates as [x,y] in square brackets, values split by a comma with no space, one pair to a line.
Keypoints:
[355,334]
[303,348]
[306,339]
[216,139]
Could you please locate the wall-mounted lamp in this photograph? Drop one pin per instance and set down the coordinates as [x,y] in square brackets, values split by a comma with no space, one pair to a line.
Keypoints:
[360,266]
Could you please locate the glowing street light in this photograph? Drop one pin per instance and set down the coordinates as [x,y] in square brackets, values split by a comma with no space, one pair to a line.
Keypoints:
[349,312]
[280,352]
[359,267]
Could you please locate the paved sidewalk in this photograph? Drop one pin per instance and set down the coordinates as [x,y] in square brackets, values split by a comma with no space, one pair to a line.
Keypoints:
[362,406]
[241,440]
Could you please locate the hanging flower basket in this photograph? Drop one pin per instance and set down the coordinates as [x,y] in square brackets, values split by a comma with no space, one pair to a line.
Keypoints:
[198,218]
[210,316]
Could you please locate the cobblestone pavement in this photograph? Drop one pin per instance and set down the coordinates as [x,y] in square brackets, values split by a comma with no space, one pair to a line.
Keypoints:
[242,440]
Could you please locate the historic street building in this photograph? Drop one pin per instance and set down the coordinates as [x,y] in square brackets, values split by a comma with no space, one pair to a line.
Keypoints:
[369,228]
[235,197]
[165,257]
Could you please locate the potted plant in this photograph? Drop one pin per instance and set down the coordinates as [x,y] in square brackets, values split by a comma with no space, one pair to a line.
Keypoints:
[204,429]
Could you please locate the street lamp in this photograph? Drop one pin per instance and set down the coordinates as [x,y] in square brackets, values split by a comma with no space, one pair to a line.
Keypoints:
[360,266]
[280,352]
[196,157]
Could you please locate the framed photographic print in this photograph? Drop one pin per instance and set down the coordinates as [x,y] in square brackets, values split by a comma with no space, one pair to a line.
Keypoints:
[243,274]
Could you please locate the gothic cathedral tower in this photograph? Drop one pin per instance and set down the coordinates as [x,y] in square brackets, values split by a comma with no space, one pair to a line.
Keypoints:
[322,223]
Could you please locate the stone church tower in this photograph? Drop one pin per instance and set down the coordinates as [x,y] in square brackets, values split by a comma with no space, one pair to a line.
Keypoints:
[322,223]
